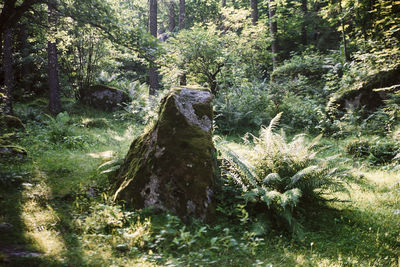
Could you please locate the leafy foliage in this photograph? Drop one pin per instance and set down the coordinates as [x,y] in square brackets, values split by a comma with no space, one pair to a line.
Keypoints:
[376,150]
[285,174]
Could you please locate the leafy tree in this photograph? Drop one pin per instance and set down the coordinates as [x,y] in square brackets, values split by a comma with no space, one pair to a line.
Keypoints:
[11,12]
[198,52]
[213,56]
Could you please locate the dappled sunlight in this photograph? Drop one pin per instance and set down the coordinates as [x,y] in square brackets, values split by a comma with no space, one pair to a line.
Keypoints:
[41,220]
[103,155]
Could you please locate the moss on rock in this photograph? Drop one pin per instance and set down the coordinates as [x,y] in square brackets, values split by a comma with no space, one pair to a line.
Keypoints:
[364,93]
[104,97]
[171,167]
[11,122]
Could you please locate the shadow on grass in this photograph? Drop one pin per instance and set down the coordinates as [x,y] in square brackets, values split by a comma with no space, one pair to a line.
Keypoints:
[351,233]
[18,247]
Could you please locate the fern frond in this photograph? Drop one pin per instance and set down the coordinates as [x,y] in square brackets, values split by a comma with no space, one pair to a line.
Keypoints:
[315,141]
[272,178]
[244,167]
[295,178]
[274,122]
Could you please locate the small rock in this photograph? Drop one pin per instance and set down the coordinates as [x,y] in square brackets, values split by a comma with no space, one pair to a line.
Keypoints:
[122,247]
[6,226]
[11,122]
[27,185]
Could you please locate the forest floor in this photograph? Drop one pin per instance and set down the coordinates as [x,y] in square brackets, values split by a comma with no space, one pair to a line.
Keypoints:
[55,210]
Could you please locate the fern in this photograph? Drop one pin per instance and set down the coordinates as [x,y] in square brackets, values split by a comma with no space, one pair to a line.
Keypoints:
[283,175]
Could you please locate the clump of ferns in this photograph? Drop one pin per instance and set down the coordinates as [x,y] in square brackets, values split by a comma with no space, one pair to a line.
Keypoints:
[283,175]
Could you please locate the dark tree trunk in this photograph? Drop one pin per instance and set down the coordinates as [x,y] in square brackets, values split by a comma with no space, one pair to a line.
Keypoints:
[182,15]
[8,71]
[171,16]
[223,3]
[153,73]
[54,86]
[343,33]
[26,66]
[11,13]
[254,11]
[304,8]
[1,60]
[153,17]
[273,31]
[182,25]
[182,79]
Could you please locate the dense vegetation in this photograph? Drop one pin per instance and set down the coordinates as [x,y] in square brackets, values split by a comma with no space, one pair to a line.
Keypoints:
[306,127]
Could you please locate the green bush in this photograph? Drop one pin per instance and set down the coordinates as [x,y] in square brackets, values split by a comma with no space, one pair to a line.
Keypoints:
[310,65]
[282,175]
[376,150]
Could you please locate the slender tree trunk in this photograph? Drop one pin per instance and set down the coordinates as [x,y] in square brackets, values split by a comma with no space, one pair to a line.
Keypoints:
[254,11]
[171,16]
[273,31]
[54,85]
[182,15]
[304,8]
[223,3]
[8,70]
[343,32]
[1,54]
[153,73]
[2,62]
[182,25]
[26,65]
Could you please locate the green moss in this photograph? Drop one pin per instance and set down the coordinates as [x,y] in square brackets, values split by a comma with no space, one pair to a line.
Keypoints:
[365,89]
[192,87]
[179,155]
[104,97]
[12,150]
[11,122]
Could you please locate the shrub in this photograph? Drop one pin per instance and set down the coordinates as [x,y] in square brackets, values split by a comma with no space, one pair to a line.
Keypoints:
[310,65]
[242,107]
[283,175]
[376,150]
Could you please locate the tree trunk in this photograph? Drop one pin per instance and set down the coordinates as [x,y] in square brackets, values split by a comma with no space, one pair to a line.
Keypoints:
[182,79]
[11,12]
[2,62]
[182,25]
[223,3]
[54,86]
[26,65]
[182,15]
[153,73]
[304,8]
[171,16]
[8,71]
[273,31]
[346,57]
[254,11]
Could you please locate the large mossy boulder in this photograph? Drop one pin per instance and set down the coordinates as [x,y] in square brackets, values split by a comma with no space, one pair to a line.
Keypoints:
[11,122]
[172,166]
[366,93]
[104,97]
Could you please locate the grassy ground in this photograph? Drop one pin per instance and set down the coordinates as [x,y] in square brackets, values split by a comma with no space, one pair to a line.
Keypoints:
[55,210]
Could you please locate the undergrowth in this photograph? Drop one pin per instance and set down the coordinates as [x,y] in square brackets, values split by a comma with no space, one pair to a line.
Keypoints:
[56,200]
